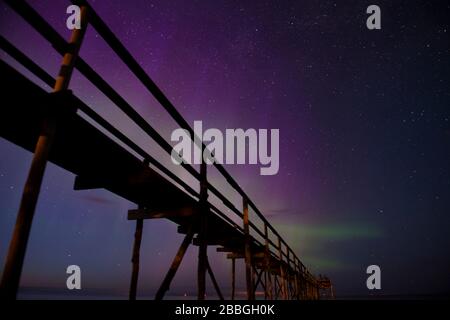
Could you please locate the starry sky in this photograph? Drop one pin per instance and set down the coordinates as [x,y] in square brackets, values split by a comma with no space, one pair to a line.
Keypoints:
[364,137]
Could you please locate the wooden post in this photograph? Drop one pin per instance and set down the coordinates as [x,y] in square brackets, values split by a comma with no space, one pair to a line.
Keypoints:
[17,247]
[135,258]
[136,253]
[268,291]
[296,277]
[299,280]
[175,264]
[276,287]
[282,274]
[303,282]
[266,294]
[288,274]
[248,254]
[307,289]
[274,296]
[202,248]
[233,277]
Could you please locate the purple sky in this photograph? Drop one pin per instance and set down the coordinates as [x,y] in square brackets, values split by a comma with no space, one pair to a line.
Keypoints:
[364,136]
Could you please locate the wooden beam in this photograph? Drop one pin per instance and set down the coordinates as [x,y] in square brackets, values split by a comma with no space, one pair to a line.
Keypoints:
[258,279]
[135,214]
[135,259]
[233,278]
[203,244]
[174,267]
[211,242]
[85,183]
[136,253]
[277,287]
[248,254]
[296,287]
[288,281]
[268,289]
[214,281]
[235,255]
[282,275]
[19,241]
[183,229]
[223,249]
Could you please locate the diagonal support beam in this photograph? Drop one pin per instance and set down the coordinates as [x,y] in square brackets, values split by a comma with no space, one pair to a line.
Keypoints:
[214,281]
[175,264]
[278,288]
[258,279]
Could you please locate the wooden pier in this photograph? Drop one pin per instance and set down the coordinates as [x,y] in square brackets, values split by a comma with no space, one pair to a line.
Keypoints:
[99,161]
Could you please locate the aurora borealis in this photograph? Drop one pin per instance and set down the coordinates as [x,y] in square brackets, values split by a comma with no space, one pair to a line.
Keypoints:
[363,115]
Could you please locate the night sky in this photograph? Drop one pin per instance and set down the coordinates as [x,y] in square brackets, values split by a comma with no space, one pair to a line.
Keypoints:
[364,137]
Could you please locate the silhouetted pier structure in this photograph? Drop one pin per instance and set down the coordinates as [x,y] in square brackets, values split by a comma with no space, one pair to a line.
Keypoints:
[48,125]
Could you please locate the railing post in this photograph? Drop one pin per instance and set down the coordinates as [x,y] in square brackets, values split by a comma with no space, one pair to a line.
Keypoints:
[248,253]
[203,247]
[18,245]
